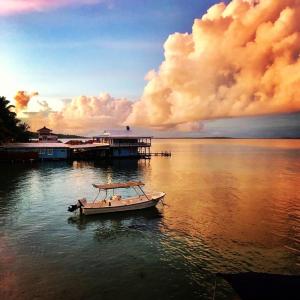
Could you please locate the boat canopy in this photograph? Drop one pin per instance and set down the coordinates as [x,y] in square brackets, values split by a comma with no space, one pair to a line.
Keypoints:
[110,186]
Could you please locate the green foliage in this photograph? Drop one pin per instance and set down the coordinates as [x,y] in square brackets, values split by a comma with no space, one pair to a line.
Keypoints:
[11,128]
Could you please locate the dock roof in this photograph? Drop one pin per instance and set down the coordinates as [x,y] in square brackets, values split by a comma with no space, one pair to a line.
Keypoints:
[52,145]
[124,134]
[35,145]
[45,129]
[89,146]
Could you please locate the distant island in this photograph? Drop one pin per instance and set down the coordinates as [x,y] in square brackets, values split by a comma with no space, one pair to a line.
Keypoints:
[34,135]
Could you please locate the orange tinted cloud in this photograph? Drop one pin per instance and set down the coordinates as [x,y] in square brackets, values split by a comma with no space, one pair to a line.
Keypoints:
[82,115]
[22,99]
[240,59]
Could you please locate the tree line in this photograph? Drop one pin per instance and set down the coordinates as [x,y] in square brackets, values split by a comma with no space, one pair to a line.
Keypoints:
[12,129]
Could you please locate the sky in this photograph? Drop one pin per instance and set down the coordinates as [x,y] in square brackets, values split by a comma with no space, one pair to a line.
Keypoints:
[81,66]
[76,50]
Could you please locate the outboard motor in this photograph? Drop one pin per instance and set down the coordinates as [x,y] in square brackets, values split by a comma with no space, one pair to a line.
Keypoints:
[72,208]
[79,203]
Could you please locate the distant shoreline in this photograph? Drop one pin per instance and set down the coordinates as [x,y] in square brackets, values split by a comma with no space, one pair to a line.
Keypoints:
[71,136]
[227,138]
[34,135]
[193,138]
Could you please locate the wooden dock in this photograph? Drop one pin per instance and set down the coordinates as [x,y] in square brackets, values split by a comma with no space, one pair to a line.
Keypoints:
[163,153]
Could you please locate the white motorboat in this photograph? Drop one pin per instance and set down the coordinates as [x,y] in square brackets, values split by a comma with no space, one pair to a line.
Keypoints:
[116,203]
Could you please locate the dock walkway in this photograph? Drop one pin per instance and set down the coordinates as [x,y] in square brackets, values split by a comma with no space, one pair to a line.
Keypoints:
[162,153]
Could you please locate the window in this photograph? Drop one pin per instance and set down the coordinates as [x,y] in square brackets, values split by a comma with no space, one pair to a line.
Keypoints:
[42,151]
[50,151]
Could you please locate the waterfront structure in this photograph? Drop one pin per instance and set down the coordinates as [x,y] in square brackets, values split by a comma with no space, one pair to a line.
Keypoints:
[45,135]
[47,147]
[43,151]
[112,144]
[89,151]
[124,143]
[52,151]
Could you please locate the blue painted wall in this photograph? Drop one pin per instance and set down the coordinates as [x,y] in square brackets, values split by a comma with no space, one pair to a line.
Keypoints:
[124,152]
[53,153]
[45,153]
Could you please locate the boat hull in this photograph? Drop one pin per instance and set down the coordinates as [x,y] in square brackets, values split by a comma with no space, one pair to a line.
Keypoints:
[129,207]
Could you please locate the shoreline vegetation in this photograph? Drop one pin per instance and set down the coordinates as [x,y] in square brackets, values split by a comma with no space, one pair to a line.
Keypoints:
[11,128]
[34,135]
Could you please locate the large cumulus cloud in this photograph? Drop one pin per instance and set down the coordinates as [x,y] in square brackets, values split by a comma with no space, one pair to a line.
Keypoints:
[82,115]
[240,59]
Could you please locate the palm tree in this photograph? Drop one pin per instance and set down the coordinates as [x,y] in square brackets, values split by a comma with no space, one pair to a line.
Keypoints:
[11,128]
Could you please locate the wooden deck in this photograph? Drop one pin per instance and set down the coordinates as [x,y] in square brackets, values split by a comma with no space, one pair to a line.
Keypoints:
[163,153]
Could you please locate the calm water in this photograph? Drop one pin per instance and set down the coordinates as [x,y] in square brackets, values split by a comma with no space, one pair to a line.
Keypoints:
[232,205]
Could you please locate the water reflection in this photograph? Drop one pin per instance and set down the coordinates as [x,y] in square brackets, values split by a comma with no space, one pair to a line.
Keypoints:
[148,219]
[231,206]
[234,199]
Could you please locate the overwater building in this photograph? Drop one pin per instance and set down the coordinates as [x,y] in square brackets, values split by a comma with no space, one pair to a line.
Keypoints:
[34,151]
[45,135]
[111,144]
[125,143]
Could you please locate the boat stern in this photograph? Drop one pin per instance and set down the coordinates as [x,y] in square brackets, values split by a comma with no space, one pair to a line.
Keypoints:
[80,203]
